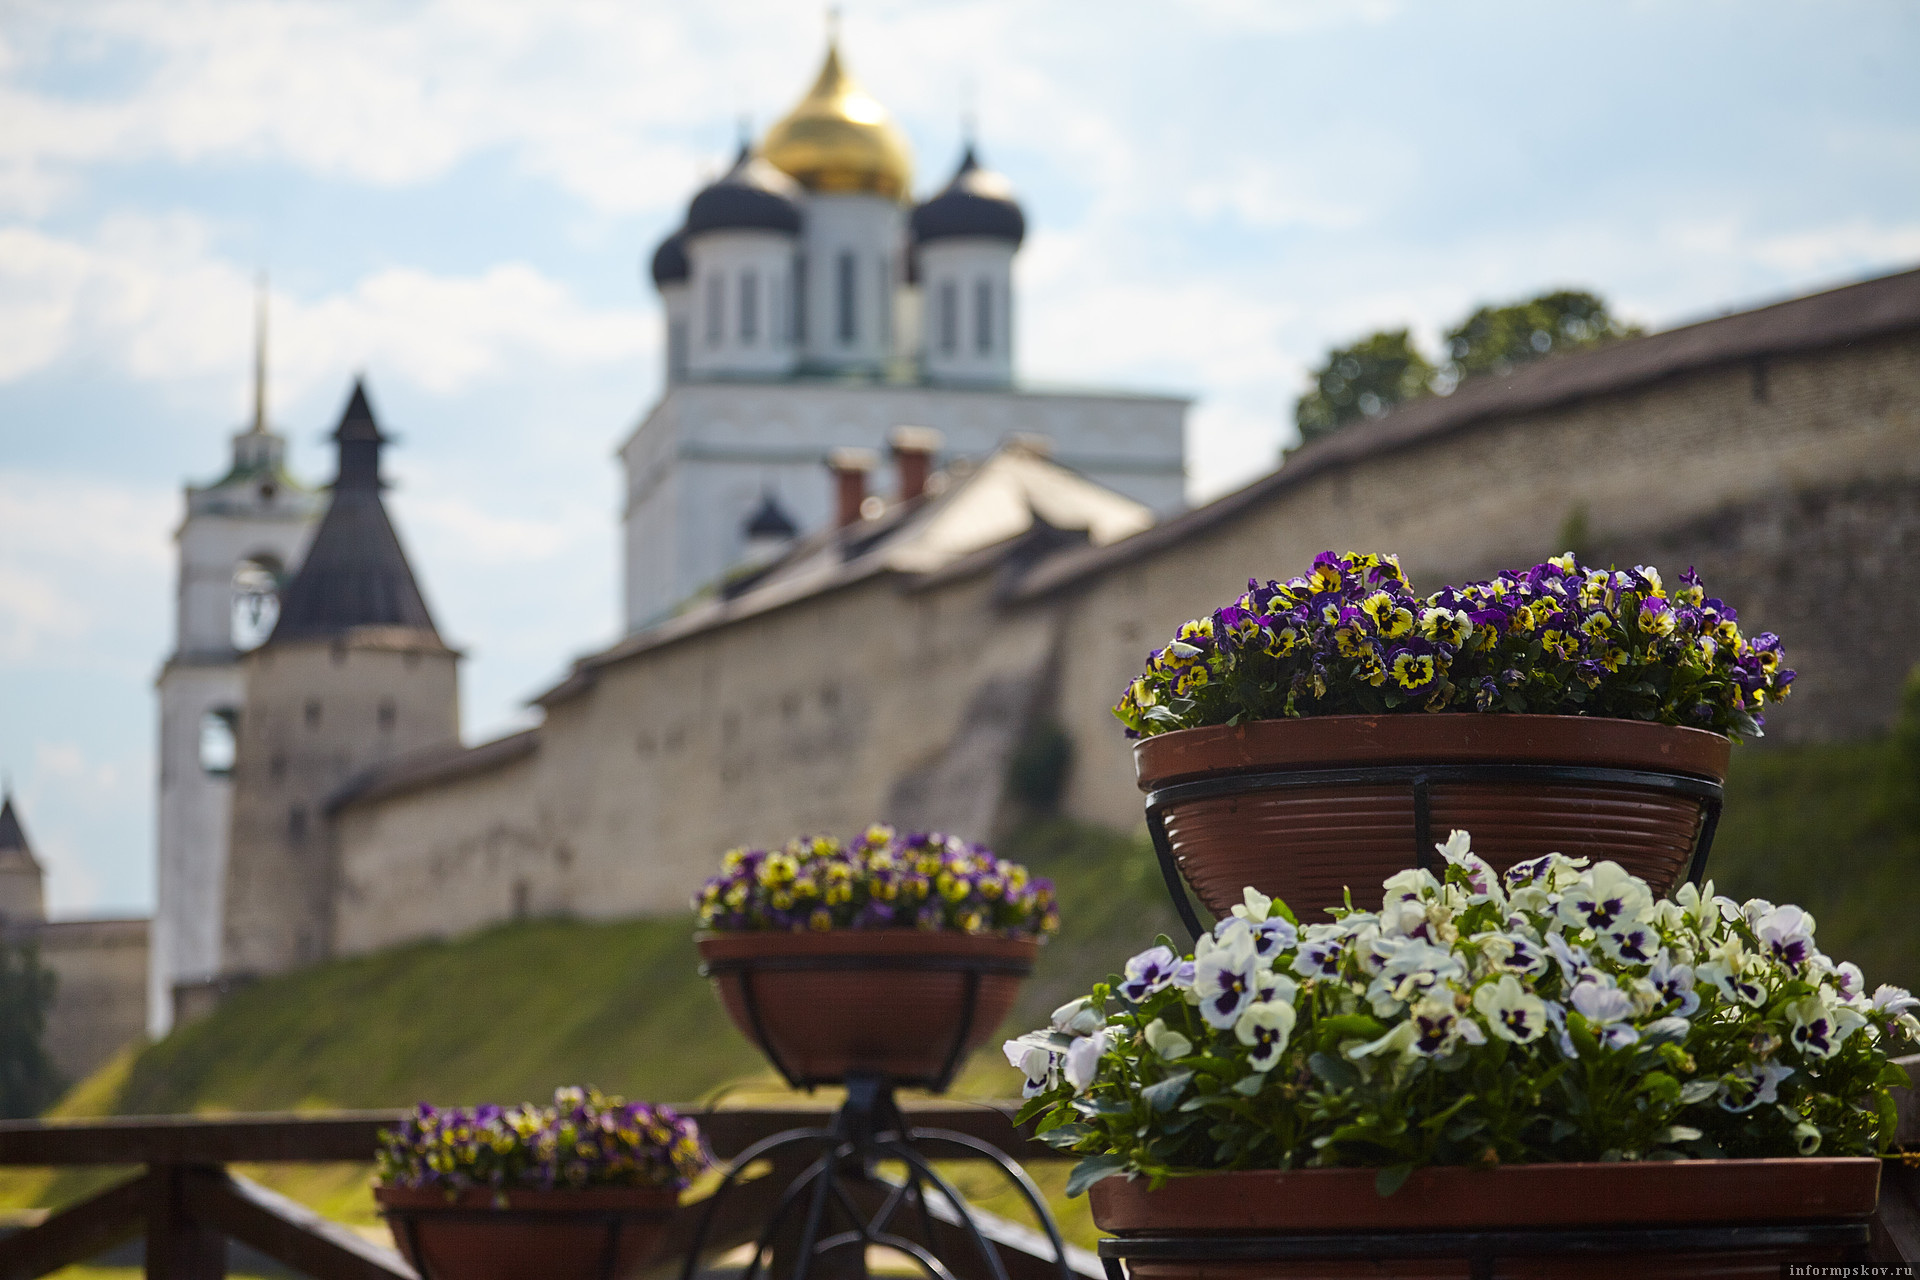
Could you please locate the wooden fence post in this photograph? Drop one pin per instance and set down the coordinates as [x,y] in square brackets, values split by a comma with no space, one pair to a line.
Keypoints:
[178,1246]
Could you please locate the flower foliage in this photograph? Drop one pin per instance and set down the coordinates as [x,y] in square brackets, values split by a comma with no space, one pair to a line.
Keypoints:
[584,1139]
[881,880]
[1351,637]
[1558,1012]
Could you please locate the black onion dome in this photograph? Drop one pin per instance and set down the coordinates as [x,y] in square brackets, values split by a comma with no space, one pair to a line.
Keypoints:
[670,261]
[977,202]
[751,196]
[770,521]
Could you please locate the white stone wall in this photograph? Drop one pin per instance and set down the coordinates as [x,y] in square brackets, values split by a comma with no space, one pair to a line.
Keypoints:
[966,310]
[697,465]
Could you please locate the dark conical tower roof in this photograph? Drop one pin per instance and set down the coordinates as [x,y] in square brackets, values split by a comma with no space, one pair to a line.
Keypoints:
[12,837]
[354,574]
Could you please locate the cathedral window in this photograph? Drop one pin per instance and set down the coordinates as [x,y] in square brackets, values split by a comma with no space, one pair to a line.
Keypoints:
[716,300]
[983,316]
[885,310]
[677,349]
[387,713]
[218,735]
[848,326]
[799,299]
[749,307]
[256,601]
[949,317]
[313,715]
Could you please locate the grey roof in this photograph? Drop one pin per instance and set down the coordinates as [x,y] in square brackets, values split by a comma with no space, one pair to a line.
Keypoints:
[1852,313]
[355,573]
[670,264]
[771,520]
[976,202]
[430,765]
[12,836]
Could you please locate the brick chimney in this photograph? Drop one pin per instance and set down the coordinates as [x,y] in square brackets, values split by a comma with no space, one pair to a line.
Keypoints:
[850,468]
[913,450]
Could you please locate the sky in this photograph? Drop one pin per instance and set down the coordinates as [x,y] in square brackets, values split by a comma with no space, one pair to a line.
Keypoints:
[458,199]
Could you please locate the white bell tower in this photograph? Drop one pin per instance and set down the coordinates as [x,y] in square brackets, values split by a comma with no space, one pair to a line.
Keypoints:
[243,536]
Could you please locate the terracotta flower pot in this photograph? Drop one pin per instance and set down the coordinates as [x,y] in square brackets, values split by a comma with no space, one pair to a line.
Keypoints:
[1303,809]
[536,1235]
[1720,1218]
[905,1003]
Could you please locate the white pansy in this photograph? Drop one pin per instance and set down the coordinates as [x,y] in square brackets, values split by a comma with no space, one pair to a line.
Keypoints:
[1082,1061]
[1606,898]
[1165,1041]
[1511,1011]
[1787,934]
[1223,980]
[1256,905]
[1818,1028]
[1078,1017]
[1265,1028]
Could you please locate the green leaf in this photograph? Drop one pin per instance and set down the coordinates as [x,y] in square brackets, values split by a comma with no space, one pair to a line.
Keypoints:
[1336,1072]
[1391,1179]
[1163,1095]
[1248,1086]
[1091,1170]
[1067,1135]
[1350,1026]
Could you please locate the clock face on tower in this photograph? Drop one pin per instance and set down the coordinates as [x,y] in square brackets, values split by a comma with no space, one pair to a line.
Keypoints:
[256,601]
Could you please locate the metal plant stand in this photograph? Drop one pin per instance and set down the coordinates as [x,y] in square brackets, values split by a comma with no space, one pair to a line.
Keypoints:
[1482,1249]
[868,1128]
[1419,779]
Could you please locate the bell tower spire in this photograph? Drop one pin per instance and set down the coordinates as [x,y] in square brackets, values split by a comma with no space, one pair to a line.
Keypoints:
[259,427]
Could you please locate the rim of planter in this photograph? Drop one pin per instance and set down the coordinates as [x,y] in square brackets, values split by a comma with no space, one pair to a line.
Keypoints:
[1414,738]
[1513,1195]
[754,944]
[650,1200]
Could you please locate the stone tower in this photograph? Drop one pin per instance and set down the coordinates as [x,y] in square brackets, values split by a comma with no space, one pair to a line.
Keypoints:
[23,898]
[353,674]
[241,540]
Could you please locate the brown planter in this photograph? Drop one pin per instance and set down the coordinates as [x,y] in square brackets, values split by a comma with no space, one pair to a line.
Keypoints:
[1321,1217]
[1303,809]
[535,1235]
[904,1003]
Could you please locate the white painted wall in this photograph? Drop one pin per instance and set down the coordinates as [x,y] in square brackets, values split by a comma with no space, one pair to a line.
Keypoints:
[966,310]
[742,304]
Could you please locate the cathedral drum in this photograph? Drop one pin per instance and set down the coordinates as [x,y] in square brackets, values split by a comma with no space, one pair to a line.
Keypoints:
[1304,809]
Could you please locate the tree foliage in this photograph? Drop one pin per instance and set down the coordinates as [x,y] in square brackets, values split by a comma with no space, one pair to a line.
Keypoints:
[28,1081]
[1499,340]
[1385,369]
[1363,381]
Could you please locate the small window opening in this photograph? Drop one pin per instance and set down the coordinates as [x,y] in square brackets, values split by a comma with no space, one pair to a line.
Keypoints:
[219,741]
[297,822]
[983,317]
[522,899]
[799,299]
[388,713]
[277,768]
[716,301]
[749,307]
[313,715]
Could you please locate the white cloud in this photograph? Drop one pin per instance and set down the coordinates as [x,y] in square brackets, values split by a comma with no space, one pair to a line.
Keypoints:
[151,295]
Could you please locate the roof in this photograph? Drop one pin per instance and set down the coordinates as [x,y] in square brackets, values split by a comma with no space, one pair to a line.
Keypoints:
[976,203]
[771,520]
[670,264]
[355,573]
[431,765]
[751,196]
[982,520]
[1837,317]
[14,848]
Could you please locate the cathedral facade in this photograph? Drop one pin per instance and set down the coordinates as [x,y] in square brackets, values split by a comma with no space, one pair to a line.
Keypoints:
[812,305]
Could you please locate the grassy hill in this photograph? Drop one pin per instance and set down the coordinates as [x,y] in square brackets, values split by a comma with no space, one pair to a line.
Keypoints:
[510,1012]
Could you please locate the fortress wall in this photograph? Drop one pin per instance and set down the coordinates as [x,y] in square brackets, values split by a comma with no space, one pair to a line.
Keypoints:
[1748,475]
[865,703]
[100,1000]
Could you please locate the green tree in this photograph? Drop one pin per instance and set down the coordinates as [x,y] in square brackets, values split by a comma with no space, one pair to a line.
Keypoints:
[1500,339]
[28,1081]
[1362,381]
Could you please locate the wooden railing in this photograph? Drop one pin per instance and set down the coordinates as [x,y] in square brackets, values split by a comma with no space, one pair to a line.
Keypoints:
[188,1204]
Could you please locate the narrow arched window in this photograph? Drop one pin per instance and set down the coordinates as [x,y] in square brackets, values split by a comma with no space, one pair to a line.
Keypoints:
[949,317]
[716,303]
[983,316]
[847,300]
[799,298]
[749,307]
[256,601]
[219,741]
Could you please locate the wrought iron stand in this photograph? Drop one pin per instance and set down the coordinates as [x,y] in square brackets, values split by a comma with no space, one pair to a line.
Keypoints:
[868,1128]
[1420,779]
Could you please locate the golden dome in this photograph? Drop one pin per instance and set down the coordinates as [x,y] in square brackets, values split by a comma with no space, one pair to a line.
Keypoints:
[839,139]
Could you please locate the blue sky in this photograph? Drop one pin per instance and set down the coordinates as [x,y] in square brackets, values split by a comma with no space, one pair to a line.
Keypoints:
[457,198]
